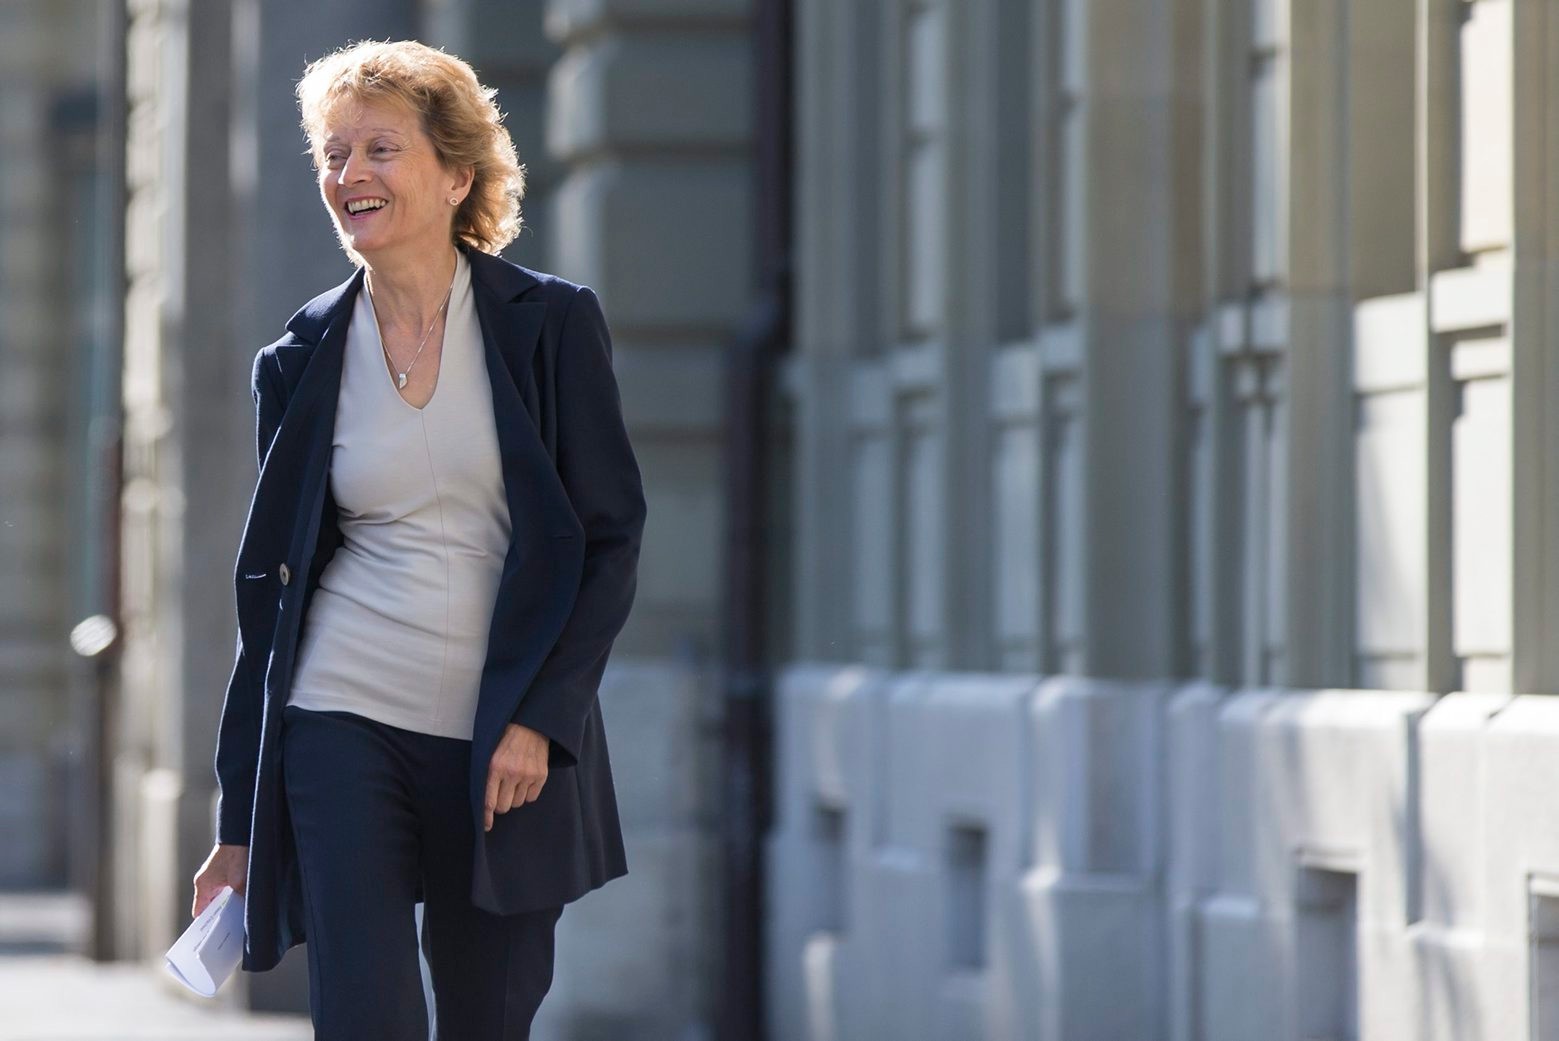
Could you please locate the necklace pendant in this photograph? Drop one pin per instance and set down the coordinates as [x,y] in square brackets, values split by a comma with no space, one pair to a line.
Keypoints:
[401,382]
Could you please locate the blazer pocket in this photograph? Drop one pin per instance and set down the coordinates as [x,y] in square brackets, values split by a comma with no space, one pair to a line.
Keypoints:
[256,594]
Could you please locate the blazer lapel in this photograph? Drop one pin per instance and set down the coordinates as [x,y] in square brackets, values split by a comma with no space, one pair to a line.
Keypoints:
[321,331]
[511,329]
[309,357]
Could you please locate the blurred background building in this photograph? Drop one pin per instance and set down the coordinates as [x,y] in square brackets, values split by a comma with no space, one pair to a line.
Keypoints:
[1137,528]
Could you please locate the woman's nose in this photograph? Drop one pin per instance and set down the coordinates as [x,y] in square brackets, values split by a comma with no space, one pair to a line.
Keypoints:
[349,167]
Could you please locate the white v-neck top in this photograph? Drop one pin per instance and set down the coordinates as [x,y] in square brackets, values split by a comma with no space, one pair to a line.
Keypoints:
[397,628]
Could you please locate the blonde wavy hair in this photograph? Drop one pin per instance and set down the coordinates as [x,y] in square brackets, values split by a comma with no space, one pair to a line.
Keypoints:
[456,111]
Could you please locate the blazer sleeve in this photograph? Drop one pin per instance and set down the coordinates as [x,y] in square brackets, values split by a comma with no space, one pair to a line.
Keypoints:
[601,475]
[238,733]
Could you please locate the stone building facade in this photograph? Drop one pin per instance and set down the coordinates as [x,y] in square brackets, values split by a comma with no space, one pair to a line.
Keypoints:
[1175,517]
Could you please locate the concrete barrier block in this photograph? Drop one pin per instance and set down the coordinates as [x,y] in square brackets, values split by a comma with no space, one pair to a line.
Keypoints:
[911,793]
[957,754]
[928,946]
[958,827]
[1521,869]
[1093,895]
[1336,773]
[828,741]
[1319,829]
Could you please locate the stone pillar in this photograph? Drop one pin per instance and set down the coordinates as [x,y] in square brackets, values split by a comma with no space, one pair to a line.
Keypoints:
[1140,285]
[176,630]
[648,116]
[507,46]
[52,309]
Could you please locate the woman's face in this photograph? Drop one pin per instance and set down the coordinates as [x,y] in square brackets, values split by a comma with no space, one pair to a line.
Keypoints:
[378,153]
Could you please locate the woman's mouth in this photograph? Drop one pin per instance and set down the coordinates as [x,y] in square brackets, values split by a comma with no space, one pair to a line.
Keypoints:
[361,209]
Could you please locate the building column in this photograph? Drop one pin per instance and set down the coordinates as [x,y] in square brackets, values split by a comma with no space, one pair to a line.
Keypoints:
[1140,285]
[648,118]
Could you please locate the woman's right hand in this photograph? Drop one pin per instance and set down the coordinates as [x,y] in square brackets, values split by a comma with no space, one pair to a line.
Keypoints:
[226,866]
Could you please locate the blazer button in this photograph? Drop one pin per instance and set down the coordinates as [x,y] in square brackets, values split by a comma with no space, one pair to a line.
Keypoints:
[285,572]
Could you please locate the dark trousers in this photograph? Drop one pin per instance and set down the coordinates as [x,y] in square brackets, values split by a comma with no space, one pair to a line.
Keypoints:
[375,807]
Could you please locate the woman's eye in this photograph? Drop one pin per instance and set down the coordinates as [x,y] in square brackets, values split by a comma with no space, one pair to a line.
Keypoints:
[337,158]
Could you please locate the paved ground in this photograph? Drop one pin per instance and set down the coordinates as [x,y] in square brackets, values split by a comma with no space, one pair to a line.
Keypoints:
[47,994]
[70,998]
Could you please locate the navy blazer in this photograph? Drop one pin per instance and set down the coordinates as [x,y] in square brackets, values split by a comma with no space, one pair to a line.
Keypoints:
[576,507]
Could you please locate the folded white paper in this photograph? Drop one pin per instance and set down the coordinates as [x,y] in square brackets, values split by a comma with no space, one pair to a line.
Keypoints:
[212,946]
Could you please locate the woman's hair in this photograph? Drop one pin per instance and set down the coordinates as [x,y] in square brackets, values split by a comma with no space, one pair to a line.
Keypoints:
[457,113]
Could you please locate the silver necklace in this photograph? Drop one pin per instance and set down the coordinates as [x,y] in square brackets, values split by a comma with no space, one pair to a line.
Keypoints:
[400,377]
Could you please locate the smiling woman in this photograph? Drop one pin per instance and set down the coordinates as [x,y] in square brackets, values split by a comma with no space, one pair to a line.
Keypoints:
[372,102]
[413,714]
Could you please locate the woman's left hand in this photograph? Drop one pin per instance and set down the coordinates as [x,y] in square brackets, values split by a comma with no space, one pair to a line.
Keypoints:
[517,770]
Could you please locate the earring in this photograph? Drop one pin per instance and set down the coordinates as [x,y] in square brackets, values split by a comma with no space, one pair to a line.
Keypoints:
[454,202]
